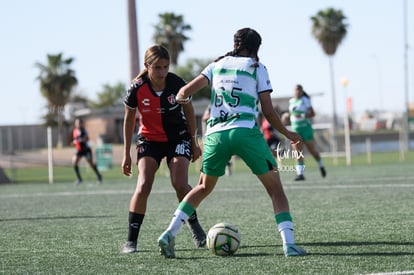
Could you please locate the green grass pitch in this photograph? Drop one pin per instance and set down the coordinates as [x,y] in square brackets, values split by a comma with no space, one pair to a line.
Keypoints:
[358,220]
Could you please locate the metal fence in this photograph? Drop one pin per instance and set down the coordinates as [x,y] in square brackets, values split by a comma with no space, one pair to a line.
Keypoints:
[27,137]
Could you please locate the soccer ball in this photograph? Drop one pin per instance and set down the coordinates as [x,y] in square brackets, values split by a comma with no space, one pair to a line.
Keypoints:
[223,239]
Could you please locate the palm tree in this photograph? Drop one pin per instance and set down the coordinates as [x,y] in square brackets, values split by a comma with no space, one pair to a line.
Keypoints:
[169,32]
[110,95]
[329,29]
[57,80]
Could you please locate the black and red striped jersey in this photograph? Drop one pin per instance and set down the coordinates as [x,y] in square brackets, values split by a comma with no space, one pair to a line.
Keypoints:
[80,137]
[160,117]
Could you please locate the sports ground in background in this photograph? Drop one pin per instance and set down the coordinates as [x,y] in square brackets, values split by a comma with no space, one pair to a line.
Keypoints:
[358,220]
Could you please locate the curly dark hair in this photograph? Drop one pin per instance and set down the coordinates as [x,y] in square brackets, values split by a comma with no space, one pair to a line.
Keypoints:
[245,39]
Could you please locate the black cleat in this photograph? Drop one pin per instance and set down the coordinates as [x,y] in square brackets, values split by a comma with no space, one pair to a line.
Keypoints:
[199,236]
[323,171]
[300,178]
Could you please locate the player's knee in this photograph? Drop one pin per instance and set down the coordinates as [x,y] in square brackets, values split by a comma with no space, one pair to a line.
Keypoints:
[142,193]
[181,188]
[204,188]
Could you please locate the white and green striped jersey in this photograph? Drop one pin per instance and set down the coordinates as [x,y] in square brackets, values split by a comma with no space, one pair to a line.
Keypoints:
[298,108]
[235,88]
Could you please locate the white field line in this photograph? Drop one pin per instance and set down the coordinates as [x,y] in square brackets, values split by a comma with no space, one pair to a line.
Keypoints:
[380,179]
[349,186]
[394,273]
[69,193]
[130,191]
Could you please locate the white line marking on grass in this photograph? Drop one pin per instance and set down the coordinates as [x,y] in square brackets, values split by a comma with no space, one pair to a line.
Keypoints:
[386,179]
[393,273]
[349,186]
[70,193]
[289,186]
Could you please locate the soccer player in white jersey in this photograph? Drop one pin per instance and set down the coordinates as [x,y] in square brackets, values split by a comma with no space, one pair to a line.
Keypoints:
[301,111]
[238,83]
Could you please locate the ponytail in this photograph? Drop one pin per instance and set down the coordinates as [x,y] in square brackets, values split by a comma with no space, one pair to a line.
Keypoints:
[299,87]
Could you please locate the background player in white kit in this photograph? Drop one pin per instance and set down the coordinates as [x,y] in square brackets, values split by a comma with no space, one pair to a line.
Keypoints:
[301,111]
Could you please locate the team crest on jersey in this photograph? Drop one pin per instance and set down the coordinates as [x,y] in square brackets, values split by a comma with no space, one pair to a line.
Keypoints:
[171,99]
[139,81]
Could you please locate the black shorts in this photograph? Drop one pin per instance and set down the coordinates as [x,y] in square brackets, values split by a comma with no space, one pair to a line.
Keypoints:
[159,150]
[86,152]
[273,142]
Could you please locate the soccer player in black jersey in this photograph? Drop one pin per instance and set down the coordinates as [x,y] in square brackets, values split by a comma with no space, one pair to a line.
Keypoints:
[166,129]
[80,141]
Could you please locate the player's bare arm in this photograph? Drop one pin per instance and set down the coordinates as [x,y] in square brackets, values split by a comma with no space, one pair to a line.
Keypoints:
[184,94]
[129,123]
[191,122]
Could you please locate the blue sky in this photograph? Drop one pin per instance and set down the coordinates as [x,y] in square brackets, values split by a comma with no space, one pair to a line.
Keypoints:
[95,34]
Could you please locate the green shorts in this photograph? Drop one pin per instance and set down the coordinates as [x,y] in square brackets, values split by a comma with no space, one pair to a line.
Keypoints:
[248,144]
[305,132]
